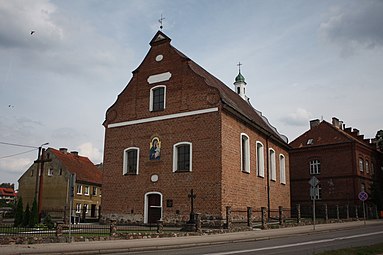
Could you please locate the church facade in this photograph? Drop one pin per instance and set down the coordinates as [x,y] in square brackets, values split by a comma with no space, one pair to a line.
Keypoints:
[176,128]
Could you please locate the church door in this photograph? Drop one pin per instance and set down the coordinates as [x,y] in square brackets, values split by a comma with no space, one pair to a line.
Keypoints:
[154,208]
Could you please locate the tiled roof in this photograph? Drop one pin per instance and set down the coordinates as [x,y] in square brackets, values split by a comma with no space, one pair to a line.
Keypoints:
[236,102]
[7,192]
[84,169]
[325,134]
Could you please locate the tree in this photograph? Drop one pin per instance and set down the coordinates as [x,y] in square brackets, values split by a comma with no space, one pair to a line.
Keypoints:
[379,139]
[34,217]
[26,216]
[19,212]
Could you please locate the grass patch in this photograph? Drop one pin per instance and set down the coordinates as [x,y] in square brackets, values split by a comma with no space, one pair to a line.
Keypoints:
[364,250]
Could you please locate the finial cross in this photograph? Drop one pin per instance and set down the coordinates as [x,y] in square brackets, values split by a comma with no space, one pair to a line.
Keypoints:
[239,66]
[160,20]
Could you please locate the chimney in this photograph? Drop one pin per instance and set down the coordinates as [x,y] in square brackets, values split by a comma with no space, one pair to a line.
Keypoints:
[314,123]
[64,150]
[74,153]
[355,131]
[335,122]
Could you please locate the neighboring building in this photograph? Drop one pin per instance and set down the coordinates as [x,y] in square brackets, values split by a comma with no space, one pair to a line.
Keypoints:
[55,195]
[175,127]
[341,159]
[7,195]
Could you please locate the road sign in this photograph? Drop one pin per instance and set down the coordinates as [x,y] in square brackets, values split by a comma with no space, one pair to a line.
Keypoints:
[362,196]
[314,181]
[314,192]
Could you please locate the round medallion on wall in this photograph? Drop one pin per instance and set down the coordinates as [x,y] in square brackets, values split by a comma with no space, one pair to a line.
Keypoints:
[159,58]
[154,178]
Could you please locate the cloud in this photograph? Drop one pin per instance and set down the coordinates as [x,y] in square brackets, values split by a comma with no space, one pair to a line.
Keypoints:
[298,118]
[354,26]
[19,18]
[88,150]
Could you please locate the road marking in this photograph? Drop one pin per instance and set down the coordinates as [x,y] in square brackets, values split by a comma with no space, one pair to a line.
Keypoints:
[296,244]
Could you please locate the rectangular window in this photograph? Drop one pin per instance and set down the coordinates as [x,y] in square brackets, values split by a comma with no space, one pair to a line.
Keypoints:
[245,153]
[86,190]
[158,99]
[315,166]
[131,157]
[273,168]
[78,208]
[50,172]
[94,191]
[260,160]
[282,168]
[367,167]
[79,189]
[183,155]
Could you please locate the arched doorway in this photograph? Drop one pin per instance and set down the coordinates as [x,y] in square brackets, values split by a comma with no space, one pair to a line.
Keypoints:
[153,207]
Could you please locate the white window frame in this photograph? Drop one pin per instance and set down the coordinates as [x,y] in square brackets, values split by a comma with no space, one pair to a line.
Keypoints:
[78,208]
[282,168]
[86,190]
[79,191]
[175,156]
[125,161]
[86,206]
[367,166]
[245,153]
[315,166]
[151,96]
[260,159]
[272,165]
[361,165]
[50,171]
[94,191]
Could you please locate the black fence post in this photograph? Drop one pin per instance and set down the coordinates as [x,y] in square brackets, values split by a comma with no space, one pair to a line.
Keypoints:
[325,213]
[337,212]
[347,212]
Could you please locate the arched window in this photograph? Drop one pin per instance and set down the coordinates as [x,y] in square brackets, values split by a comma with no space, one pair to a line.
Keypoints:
[245,153]
[282,168]
[260,160]
[182,157]
[157,98]
[272,165]
[131,161]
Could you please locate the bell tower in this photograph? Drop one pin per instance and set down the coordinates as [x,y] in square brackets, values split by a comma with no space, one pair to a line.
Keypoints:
[240,84]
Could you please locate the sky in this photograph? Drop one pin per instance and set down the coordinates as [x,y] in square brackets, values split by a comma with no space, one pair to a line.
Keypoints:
[302,60]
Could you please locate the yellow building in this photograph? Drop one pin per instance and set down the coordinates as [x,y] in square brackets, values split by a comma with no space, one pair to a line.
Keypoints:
[52,187]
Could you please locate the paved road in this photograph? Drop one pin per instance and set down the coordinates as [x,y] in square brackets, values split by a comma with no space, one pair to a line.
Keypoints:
[288,245]
[293,240]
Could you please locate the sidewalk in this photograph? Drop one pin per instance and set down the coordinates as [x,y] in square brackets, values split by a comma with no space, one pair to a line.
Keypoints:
[172,242]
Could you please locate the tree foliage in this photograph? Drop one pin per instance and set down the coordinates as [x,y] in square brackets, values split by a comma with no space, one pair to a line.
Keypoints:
[19,212]
[34,217]
[26,216]
[379,139]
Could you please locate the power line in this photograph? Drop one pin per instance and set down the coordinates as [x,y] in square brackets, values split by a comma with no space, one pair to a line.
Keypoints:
[17,154]
[19,145]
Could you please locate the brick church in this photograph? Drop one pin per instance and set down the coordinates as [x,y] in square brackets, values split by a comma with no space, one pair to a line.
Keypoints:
[175,127]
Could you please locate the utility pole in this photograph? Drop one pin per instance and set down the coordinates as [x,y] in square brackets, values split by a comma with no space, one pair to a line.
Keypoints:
[40,177]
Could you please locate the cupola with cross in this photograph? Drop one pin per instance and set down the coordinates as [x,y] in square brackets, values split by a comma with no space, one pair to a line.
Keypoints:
[240,84]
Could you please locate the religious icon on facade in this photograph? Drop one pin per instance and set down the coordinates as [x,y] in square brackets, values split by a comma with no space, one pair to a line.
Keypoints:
[155,149]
